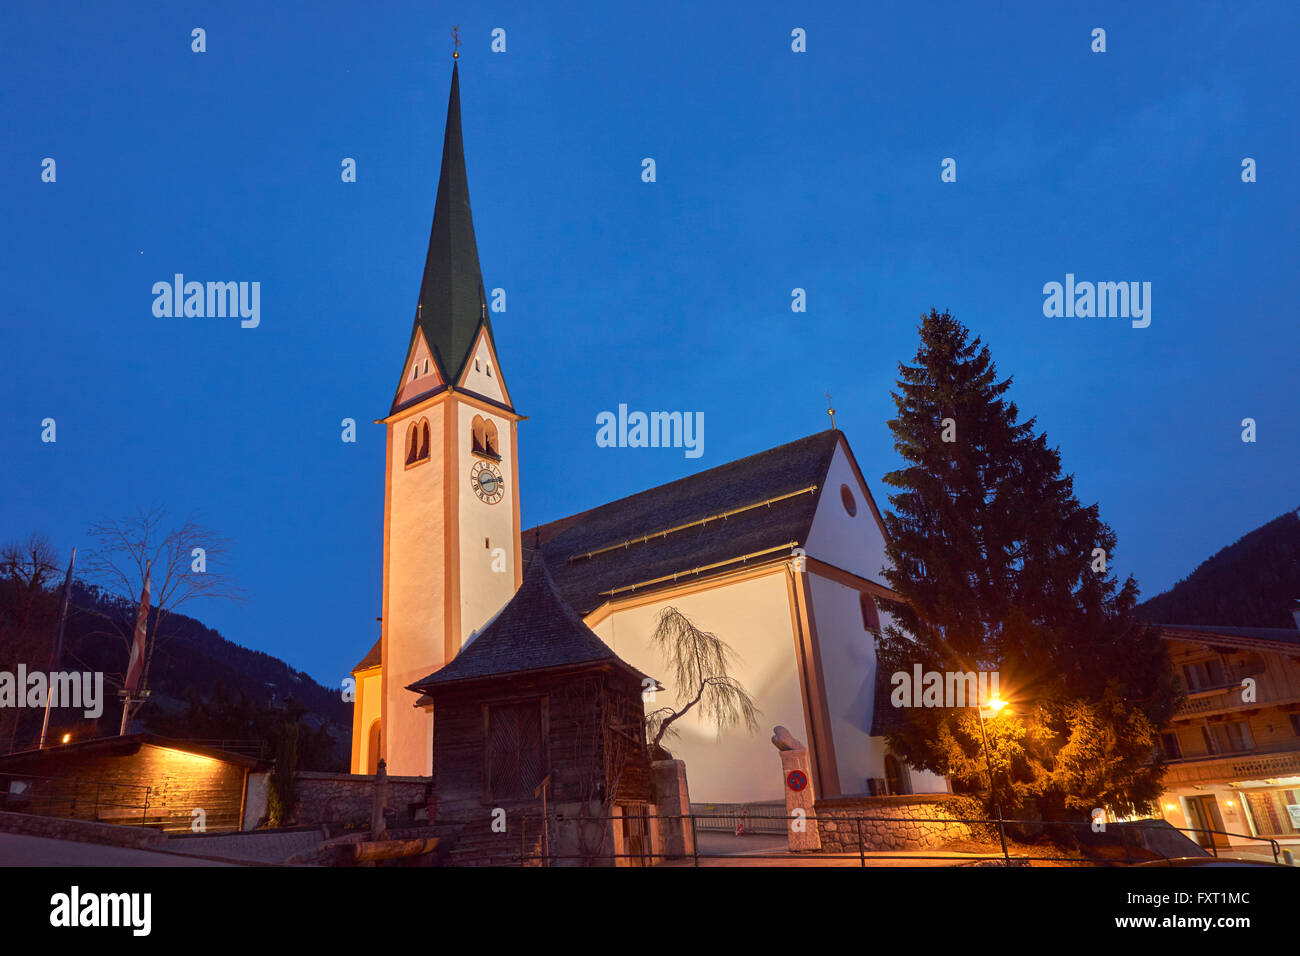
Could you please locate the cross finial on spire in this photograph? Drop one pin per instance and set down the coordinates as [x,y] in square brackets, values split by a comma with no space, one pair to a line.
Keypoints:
[455,39]
[830,411]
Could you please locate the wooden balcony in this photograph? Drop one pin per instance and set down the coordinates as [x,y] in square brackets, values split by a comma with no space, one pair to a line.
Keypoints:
[1227,698]
[1225,768]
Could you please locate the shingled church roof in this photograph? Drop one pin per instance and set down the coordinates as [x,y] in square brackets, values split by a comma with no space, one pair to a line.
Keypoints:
[536,630]
[762,503]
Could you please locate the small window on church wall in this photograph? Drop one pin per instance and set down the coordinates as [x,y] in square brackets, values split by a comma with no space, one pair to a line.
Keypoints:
[477,366]
[489,369]
[426,366]
[478,435]
[870,616]
[412,443]
[424,440]
[491,439]
[850,504]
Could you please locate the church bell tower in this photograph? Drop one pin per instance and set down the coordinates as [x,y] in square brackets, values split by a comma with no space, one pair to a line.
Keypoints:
[451,488]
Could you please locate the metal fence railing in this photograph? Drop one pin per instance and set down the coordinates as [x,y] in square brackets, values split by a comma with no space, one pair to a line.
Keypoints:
[742,817]
[1130,849]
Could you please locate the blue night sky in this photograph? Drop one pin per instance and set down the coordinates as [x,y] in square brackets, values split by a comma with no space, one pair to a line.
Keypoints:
[775,170]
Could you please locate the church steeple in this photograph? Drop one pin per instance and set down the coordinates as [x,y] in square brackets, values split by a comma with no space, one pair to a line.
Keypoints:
[452,304]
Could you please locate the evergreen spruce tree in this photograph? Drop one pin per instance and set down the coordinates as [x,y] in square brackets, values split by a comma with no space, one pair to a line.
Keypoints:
[997,566]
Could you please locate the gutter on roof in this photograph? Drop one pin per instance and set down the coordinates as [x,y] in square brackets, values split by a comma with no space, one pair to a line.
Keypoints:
[705,567]
[691,524]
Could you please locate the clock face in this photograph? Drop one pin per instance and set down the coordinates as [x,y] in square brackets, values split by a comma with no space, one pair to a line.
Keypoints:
[487,482]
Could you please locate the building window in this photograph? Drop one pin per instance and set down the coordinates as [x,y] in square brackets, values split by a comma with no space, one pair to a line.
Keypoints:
[417,441]
[1205,674]
[870,615]
[484,437]
[1169,744]
[1295,724]
[372,748]
[850,504]
[489,369]
[477,366]
[426,366]
[514,752]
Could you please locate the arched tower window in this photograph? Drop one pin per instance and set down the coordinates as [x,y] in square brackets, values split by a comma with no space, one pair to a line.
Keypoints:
[412,442]
[483,439]
[417,441]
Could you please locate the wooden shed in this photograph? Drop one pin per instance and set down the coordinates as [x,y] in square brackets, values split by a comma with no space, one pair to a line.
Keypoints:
[537,708]
[136,779]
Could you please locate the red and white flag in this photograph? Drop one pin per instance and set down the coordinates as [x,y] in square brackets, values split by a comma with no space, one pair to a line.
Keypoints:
[135,668]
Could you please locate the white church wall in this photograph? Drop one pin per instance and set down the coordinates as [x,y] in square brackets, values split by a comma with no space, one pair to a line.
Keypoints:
[753,616]
[414,592]
[366,710]
[486,583]
[852,542]
[848,657]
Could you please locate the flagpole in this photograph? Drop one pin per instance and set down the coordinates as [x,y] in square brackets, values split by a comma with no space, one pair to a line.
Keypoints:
[135,666]
[57,650]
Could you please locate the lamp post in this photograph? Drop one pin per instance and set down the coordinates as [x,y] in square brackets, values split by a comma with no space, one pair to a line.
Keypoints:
[994,704]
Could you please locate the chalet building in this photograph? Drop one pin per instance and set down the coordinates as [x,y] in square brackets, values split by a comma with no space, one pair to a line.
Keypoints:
[779,554]
[138,780]
[537,702]
[1234,750]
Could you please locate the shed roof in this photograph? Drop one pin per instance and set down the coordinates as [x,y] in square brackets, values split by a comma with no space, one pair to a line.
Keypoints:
[536,630]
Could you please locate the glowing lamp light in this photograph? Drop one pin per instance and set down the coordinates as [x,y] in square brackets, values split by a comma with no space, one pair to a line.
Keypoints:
[992,707]
[66,738]
[1170,806]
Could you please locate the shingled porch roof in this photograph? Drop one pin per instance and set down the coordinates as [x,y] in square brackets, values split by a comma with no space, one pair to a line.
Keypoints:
[536,630]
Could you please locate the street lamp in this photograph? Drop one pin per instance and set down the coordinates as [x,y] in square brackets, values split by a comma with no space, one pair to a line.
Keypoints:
[994,704]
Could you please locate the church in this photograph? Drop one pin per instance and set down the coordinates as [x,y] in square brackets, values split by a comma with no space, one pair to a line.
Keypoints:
[779,554]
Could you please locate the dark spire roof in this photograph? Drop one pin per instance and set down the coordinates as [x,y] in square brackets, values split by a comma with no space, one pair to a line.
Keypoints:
[452,305]
[536,630]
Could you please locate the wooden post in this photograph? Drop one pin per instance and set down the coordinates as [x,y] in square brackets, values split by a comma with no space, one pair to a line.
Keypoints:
[377,822]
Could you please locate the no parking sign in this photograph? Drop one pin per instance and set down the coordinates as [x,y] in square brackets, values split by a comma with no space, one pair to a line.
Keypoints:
[796,780]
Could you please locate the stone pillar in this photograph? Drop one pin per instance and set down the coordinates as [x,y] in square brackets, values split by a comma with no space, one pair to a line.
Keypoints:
[672,835]
[796,781]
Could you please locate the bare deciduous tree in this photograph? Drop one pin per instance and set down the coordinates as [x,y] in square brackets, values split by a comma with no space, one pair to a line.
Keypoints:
[700,663]
[28,567]
[178,571]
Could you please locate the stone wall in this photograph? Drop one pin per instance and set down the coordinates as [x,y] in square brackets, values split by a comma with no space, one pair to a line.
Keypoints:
[344,798]
[82,831]
[901,822]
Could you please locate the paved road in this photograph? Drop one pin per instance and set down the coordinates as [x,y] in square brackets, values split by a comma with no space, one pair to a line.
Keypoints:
[269,847]
[17,849]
